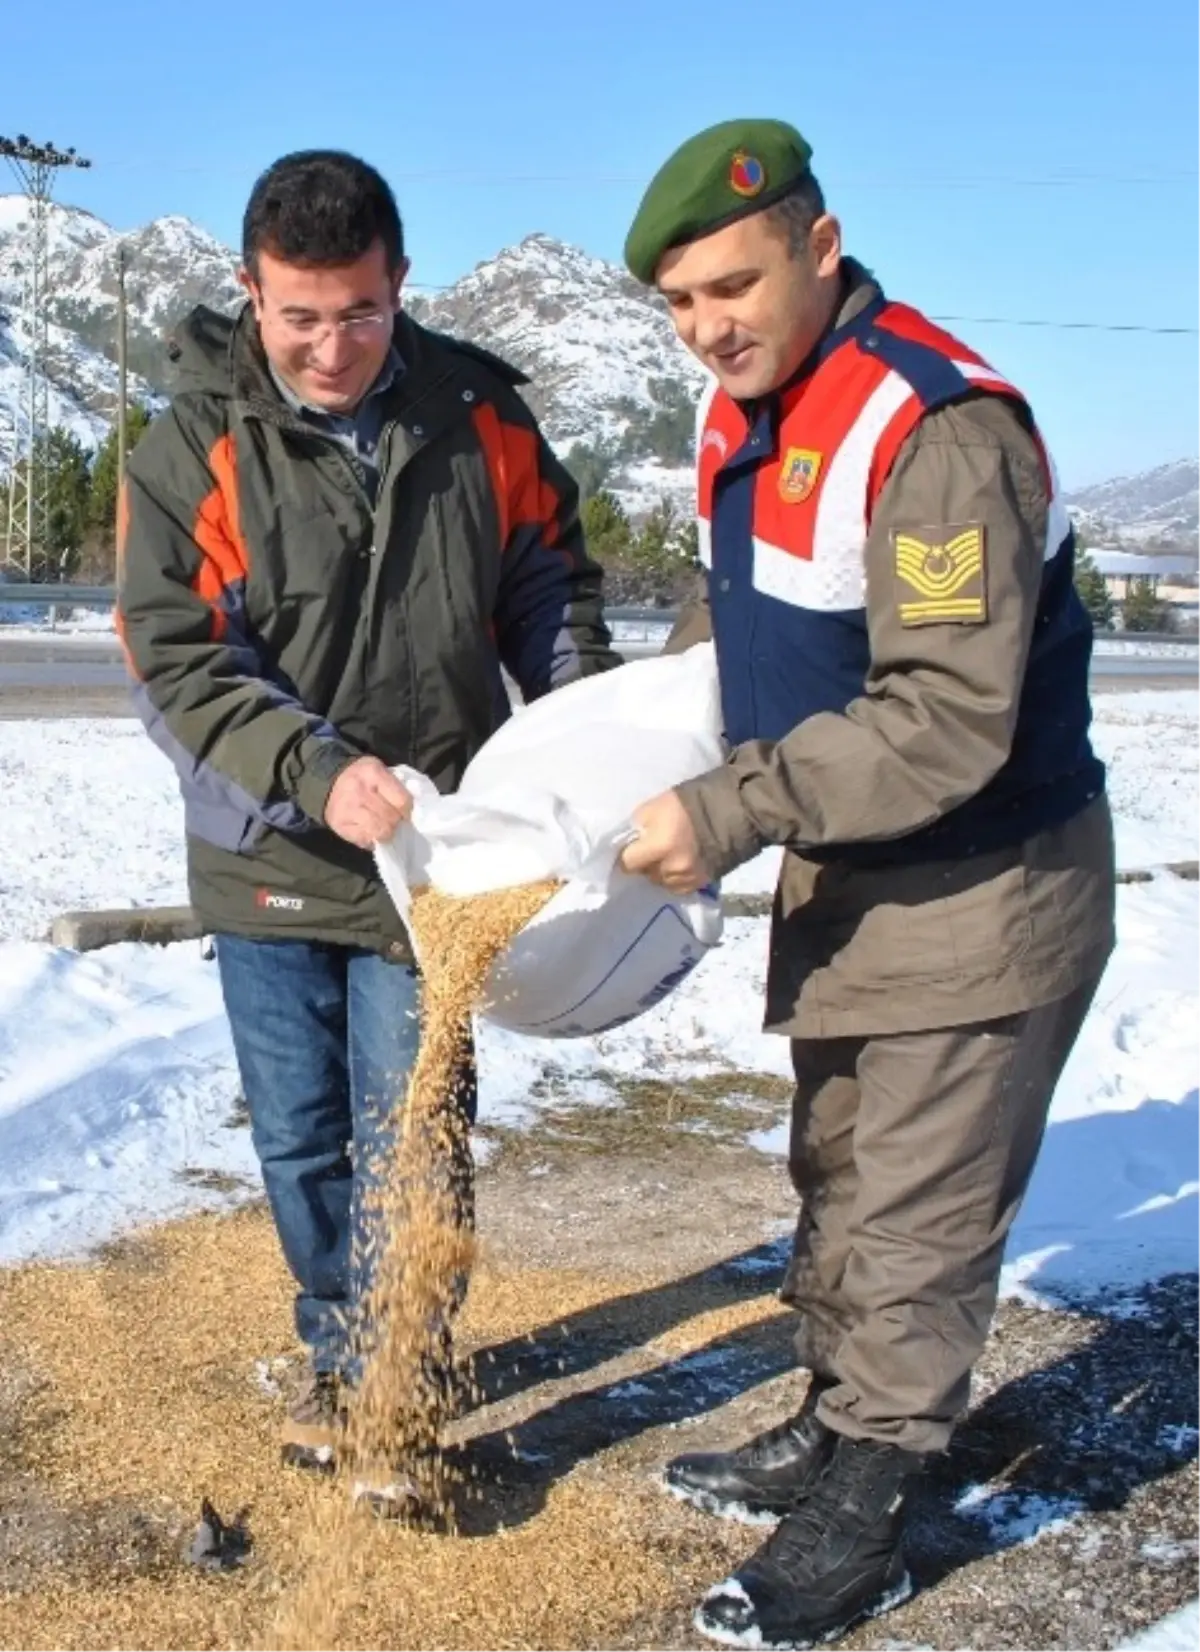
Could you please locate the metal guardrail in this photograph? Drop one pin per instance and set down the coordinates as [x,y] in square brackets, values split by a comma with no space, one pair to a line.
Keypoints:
[1146,645]
[51,595]
[651,622]
[642,616]
[105,596]
[58,596]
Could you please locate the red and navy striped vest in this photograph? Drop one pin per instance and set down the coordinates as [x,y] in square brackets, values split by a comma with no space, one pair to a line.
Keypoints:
[787,489]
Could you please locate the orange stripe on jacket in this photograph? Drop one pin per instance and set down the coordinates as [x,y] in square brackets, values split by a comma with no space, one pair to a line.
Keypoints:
[523,496]
[118,616]
[122,522]
[218,534]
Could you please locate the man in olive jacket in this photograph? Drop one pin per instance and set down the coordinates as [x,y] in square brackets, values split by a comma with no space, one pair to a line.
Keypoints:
[333,541]
[904,677]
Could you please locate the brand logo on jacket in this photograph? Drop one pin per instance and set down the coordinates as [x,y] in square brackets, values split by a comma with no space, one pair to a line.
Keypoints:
[798,474]
[270,901]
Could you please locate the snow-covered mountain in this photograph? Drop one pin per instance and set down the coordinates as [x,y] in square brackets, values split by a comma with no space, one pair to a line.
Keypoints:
[172,264]
[1160,505]
[606,368]
[607,372]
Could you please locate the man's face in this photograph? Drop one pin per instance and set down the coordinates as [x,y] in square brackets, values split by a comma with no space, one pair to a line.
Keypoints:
[749,307]
[326,329]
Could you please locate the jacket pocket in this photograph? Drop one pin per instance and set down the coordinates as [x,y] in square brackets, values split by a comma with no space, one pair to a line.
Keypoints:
[881,929]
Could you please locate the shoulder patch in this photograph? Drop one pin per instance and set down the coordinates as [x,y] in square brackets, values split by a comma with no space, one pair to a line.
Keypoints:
[941,574]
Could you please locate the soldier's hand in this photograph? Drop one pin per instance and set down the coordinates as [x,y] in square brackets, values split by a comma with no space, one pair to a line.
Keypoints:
[665,849]
[366,803]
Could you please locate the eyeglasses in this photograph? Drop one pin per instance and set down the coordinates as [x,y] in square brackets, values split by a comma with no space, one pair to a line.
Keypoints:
[313,329]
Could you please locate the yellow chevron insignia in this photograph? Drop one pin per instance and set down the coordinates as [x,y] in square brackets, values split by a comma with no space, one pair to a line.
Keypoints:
[943,579]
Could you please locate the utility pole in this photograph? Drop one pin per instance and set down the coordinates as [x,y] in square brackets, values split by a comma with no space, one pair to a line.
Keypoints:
[122,371]
[24,524]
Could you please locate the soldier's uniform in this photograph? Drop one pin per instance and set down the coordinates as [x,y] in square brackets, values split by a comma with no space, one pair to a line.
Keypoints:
[904,671]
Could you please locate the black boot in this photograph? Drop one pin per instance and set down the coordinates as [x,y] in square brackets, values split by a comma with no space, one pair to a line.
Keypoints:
[763,1479]
[834,1560]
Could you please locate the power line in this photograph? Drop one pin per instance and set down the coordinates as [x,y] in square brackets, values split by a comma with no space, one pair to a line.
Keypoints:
[1060,180]
[1065,326]
[948,179]
[970,320]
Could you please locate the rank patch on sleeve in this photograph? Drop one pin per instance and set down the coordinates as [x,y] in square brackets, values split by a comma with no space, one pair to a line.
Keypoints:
[941,576]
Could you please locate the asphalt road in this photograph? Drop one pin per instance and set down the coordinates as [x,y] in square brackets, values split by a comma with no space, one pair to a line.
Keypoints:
[82,676]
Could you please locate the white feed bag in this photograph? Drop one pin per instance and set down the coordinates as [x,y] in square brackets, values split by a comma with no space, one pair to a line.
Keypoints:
[550,796]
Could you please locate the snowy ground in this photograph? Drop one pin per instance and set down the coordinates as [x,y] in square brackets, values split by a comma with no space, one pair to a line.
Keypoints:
[117,1081]
[117,1076]
[1178,1633]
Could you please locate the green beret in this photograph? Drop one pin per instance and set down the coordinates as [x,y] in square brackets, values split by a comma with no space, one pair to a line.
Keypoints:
[722,174]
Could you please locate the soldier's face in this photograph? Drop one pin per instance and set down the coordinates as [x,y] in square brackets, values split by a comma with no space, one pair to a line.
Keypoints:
[326,329]
[748,305]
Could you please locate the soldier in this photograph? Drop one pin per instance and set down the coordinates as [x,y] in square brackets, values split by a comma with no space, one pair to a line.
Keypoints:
[904,675]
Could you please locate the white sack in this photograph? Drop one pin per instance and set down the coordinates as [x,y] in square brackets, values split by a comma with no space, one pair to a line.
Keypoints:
[550,796]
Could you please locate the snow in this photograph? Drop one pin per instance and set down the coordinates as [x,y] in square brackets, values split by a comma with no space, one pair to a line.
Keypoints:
[1014,1518]
[117,1076]
[1149,742]
[1115,1195]
[1113,1202]
[118,823]
[595,345]
[1156,504]
[645,484]
[1180,1632]
[62,406]
[171,263]
[118,1082]
[23,622]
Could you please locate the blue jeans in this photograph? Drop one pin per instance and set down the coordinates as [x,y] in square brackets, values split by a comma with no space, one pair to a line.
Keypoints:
[325,1037]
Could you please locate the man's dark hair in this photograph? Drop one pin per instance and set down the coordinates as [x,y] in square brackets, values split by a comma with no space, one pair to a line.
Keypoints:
[798,211]
[320,206]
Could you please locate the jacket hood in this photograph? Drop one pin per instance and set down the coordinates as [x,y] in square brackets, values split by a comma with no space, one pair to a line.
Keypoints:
[199,350]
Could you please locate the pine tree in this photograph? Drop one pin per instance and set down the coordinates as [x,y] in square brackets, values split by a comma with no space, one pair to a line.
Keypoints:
[591,467]
[1143,608]
[63,460]
[687,543]
[102,504]
[606,527]
[655,548]
[1093,592]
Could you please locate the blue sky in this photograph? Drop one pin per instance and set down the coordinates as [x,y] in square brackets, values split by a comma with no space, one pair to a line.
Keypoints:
[1034,161]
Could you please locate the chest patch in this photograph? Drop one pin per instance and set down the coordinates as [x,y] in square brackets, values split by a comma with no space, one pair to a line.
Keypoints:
[798,474]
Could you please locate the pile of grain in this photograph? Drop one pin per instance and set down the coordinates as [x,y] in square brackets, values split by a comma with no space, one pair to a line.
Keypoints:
[418,1219]
[126,1430]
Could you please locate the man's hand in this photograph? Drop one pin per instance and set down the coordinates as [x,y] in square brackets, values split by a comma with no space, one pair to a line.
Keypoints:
[366,803]
[665,849]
